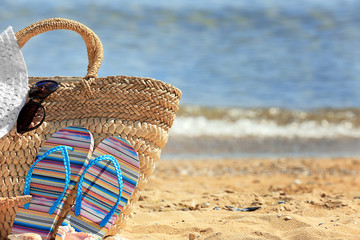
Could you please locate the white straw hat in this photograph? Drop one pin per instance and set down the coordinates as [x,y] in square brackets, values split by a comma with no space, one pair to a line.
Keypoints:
[13,81]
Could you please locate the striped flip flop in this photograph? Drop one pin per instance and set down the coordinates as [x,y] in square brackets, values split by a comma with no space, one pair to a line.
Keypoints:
[105,187]
[57,168]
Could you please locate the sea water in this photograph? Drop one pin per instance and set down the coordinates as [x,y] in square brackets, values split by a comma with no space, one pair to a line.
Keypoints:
[259,78]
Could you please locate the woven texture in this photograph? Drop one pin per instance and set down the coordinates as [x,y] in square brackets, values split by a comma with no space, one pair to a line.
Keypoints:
[13,81]
[8,207]
[140,110]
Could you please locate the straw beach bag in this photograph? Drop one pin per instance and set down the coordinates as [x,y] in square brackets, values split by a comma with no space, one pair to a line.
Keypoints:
[140,110]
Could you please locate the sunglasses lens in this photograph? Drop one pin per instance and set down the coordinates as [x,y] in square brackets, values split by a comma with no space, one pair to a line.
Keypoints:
[30,117]
[43,88]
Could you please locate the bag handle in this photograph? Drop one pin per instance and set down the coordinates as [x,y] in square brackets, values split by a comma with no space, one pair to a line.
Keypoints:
[93,44]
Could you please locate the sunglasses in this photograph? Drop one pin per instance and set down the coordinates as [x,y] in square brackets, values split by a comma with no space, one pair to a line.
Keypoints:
[32,115]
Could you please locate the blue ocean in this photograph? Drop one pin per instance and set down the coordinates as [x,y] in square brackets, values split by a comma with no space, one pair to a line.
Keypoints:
[260,78]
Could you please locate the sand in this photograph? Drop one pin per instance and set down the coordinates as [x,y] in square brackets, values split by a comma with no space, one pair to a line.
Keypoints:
[298,199]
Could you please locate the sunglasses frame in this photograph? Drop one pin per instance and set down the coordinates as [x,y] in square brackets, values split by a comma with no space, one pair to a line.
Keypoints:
[37,104]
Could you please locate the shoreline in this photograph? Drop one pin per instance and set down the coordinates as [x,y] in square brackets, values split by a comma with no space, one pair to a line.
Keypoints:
[299,198]
[220,147]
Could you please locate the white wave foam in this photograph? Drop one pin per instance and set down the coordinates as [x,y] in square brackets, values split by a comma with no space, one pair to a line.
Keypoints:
[201,126]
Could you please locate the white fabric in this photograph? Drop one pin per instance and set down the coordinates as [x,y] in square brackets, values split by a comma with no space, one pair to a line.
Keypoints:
[13,81]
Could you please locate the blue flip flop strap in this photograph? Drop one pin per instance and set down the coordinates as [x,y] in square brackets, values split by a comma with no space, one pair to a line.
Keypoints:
[66,160]
[80,186]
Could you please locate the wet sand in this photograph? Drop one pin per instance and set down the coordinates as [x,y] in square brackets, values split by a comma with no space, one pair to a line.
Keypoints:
[293,199]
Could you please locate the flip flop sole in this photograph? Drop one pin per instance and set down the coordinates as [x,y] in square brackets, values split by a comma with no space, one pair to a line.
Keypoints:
[101,188]
[48,180]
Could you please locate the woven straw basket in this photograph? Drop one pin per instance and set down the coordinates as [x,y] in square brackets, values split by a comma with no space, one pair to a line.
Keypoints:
[141,110]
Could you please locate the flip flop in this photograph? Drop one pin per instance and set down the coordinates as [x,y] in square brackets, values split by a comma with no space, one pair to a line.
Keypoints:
[57,168]
[105,187]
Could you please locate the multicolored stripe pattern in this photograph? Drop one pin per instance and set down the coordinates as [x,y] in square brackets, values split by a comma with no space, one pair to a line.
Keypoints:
[48,180]
[101,188]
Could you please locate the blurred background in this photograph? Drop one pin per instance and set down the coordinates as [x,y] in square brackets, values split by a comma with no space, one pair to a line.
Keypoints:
[260,78]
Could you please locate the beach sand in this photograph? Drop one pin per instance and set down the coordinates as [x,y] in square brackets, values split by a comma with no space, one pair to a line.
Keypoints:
[298,199]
